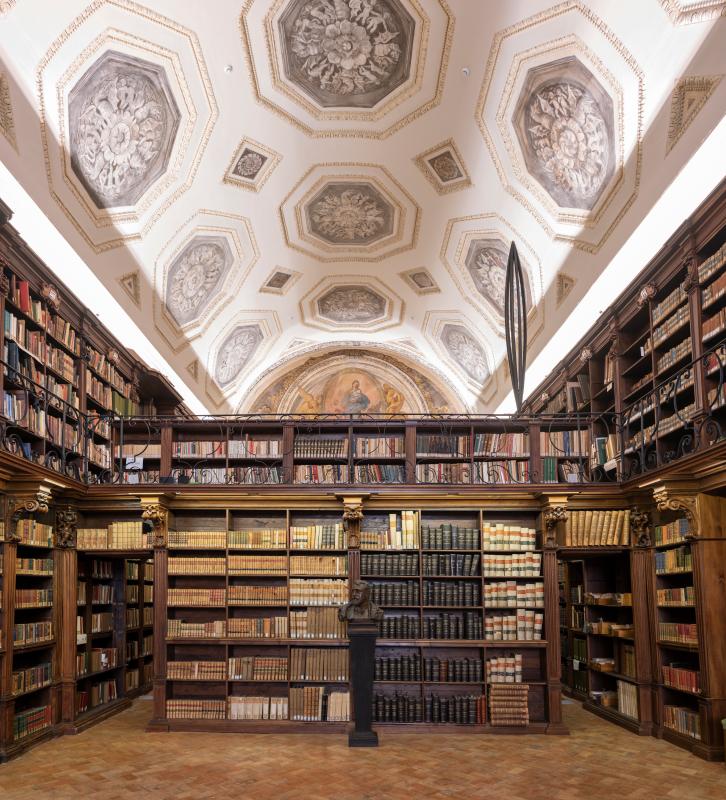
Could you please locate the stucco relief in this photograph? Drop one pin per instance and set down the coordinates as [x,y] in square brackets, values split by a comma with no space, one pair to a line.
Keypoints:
[351,304]
[349,213]
[235,353]
[346,53]
[486,262]
[194,276]
[122,121]
[565,127]
[464,349]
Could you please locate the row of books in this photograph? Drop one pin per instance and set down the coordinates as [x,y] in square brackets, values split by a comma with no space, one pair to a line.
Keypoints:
[321,446]
[397,668]
[509,704]
[196,597]
[712,264]
[670,302]
[318,537]
[196,670]
[683,633]
[379,447]
[682,677]
[236,628]
[501,444]
[33,598]
[320,473]
[31,721]
[318,592]
[671,561]
[451,593]
[256,708]
[453,670]
[514,565]
[677,320]
[463,564]
[31,678]
[117,535]
[97,694]
[504,536]
[682,720]
[597,528]
[513,594]
[525,625]
[433,708]
[505,669]
[448,536]
[318,565]
[676,596]
[400,534]
[98,660]
[565,443]
[673,355]
[27,633]
[401,593]
[318,704]
[501,472]
[672,533]
[33,566]
[34,533]
[379,473]
[434,444]
[714,325]
[102,593]
[318,664]
[257,668]
[627,699]
[254,595]
[316,623]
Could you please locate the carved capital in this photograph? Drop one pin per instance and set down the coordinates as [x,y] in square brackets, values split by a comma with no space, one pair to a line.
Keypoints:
[585,354]
[113,356]
[352,515]
[66,527]
[646,294]
[553,516]
[157,515]
[4,284]
[690,282]
[51,295]
[640,527]
[686,504]
[35,503]
[544,397]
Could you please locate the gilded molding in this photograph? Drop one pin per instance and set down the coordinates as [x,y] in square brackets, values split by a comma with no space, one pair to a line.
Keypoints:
[422,161]
[7,120]
[693,11]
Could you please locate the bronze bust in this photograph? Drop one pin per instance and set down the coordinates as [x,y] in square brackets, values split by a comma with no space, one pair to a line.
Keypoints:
[360,606]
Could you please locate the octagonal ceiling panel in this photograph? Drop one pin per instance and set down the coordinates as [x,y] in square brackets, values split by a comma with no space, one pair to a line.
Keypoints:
[344,212]
[475,252]
[350,303]
[125,117]
[349,67]
[200,271]
[558,115]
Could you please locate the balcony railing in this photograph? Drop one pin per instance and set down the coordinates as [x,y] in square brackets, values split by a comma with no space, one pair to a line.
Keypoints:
[685,414]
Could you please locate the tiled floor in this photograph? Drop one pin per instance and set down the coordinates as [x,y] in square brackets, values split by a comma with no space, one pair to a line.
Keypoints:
[599,761]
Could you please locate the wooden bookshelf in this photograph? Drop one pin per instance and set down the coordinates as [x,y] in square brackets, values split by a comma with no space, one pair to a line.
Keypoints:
[687,557]
[208,598]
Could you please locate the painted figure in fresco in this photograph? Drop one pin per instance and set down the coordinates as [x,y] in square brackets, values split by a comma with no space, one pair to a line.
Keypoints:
[355,401]
[394,399]
[309,403]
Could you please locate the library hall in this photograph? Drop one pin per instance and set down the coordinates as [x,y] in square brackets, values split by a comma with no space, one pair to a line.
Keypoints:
[363,399]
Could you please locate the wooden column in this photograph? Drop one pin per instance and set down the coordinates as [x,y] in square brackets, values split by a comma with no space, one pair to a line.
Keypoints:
[554,517]
[157,514]
[352,516]
[66,570]
[641,584]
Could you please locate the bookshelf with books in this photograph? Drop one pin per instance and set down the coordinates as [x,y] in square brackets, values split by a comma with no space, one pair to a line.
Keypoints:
[688,553]
[573,634]
[463,600]
[29,684]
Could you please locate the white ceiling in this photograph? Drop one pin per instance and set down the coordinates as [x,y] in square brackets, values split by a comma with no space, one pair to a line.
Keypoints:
[192,152]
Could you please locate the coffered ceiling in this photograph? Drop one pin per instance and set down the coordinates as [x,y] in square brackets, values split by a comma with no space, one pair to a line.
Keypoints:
[275,188]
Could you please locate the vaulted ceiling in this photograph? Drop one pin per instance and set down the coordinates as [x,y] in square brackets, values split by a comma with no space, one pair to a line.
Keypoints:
[269,186]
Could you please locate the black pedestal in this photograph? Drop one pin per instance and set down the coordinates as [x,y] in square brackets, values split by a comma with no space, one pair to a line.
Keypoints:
[362,635]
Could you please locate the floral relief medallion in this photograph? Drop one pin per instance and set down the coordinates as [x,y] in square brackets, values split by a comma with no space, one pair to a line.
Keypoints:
[347,53]
[486,263]
[123,121]
[464,349]
[236,351]
[249,164]
[564,122]
[351,304]
[349,213]
[195,274]
[445,167]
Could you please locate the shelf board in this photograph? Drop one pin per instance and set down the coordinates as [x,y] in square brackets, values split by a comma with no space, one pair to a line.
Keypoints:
[693,648]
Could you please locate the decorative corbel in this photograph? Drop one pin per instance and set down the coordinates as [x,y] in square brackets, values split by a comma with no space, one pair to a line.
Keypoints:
[691,281]
[51,295]
[640,527]
[553,516]
[646,294]
[157,515]
[585,355]
[66,527]
[36,503]
[352,516]
[4,283]
[684,503]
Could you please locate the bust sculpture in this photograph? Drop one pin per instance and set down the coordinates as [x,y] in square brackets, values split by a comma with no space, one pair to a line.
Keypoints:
[360,606]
